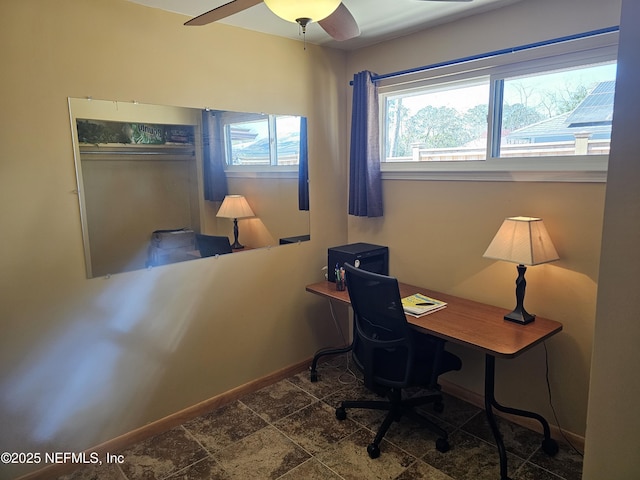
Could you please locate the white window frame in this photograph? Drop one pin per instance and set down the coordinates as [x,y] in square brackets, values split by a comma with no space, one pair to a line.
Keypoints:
[577,168]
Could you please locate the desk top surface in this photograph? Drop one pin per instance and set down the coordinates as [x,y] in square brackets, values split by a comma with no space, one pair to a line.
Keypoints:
[466,322]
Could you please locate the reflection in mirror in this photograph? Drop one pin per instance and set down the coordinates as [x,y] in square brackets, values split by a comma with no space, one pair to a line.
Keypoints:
[151,180]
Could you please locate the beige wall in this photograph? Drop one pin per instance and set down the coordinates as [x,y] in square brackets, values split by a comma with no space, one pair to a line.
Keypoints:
[444,252]
[83,361]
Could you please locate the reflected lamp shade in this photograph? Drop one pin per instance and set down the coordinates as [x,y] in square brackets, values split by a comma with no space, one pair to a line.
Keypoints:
[302,11]
[525,241]
[235,206]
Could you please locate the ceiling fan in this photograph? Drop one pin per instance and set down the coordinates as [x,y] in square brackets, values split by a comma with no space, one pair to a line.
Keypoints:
[332,15]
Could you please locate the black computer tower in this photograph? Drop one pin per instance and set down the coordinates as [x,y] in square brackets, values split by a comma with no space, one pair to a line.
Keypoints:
[373,258]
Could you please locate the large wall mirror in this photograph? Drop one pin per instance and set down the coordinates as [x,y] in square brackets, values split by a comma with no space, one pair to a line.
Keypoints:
[160,184]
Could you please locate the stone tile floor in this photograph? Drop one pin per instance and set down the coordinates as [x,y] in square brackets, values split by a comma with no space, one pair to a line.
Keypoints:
[288,431]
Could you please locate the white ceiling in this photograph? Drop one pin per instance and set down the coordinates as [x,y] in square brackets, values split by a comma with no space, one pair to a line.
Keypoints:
[378,19]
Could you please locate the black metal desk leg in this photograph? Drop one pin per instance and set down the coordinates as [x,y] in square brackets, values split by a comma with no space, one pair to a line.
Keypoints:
[549,445]
[313,374]
[489,402]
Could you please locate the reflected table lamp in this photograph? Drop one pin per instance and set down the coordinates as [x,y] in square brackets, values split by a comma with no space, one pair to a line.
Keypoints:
[525,241]
[235,206]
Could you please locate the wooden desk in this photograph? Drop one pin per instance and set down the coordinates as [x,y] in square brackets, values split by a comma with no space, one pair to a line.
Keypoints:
[474,325]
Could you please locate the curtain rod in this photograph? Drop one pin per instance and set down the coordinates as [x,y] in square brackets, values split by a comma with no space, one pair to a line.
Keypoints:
[495,53]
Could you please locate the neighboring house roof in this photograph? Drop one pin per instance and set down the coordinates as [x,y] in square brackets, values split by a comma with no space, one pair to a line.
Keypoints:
[593,115]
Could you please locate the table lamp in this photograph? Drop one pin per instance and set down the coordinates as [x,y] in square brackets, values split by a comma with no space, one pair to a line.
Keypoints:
[235,206]
[525,241]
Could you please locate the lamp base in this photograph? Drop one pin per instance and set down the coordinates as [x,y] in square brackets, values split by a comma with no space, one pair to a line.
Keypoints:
[236,244]
[520,316]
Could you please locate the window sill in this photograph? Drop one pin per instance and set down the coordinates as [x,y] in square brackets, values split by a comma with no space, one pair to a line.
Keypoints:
[591,169]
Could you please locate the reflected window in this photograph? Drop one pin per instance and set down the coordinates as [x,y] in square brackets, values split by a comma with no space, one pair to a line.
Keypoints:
[258,140]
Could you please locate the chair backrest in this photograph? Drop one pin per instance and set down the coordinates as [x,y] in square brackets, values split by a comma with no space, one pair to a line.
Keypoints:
[383,347]
[212,245]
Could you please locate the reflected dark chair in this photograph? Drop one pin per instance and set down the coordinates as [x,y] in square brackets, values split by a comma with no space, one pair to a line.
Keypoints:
[392,355]
[212,245]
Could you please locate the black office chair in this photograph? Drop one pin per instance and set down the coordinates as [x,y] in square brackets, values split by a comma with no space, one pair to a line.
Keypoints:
[392,355]
[212,245]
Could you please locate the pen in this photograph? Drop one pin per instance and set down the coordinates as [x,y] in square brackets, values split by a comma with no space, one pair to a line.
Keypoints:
[425,303]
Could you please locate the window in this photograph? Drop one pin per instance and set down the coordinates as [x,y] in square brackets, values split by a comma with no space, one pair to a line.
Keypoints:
[444,122]
[259,140]
[536,113]
[558,113]
[565,112]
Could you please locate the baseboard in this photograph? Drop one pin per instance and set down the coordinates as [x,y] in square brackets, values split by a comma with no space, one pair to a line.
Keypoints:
[167,423]
[476,399]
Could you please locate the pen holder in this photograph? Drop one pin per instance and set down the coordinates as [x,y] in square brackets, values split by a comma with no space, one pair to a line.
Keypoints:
[340,284]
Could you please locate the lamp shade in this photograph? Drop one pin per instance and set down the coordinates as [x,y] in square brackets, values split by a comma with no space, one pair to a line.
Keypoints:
[294,10]
[522,240]
[235,206]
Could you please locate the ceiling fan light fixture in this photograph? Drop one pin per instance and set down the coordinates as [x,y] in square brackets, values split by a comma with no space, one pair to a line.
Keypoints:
[296,10]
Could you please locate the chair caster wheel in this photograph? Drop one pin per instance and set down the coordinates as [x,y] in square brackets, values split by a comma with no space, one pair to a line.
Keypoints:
[313,376]
[442,445]
[438,407]
[550,446]
[373,450]
[341,413]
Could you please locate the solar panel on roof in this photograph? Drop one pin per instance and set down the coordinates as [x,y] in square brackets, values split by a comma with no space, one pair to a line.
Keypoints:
[596,108]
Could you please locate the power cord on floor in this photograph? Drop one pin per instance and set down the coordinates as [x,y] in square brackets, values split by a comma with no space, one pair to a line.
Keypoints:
[555,416]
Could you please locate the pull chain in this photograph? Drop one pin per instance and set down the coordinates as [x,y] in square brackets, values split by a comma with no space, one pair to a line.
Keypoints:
[303,22]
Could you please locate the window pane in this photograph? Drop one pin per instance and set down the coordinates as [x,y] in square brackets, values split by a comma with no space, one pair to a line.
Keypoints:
[444,123]
[248,142]
[288,140]
[265,140]
[560,113]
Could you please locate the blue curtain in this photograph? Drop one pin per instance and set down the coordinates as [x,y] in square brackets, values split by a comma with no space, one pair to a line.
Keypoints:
[215,180]
[365,184]
[303,168]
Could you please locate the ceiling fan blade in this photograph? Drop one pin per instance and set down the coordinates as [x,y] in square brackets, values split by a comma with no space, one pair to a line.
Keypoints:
[340,24]
[223,11]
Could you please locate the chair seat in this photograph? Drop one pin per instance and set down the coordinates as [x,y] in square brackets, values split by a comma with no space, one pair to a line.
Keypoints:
[421,376]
